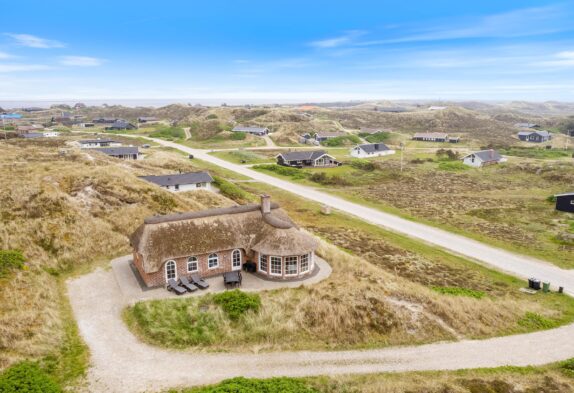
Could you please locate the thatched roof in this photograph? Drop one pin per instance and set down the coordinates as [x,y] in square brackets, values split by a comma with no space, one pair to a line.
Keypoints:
[161,238]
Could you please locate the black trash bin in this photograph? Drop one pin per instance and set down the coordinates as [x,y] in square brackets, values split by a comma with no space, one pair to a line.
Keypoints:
[534,283]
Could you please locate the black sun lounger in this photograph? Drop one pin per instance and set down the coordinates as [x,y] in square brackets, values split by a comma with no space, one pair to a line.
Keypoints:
[184,282]
[172,286]
[198,281]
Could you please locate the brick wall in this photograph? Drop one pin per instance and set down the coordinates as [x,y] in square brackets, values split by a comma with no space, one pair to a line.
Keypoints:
[158,278]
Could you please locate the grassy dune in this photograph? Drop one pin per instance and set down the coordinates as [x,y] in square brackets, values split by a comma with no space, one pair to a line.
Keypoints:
[69,213]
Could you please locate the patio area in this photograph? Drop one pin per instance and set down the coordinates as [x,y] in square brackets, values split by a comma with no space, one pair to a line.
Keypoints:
[133,292]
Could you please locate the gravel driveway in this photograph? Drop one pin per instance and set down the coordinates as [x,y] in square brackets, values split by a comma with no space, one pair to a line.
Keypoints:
[121,363]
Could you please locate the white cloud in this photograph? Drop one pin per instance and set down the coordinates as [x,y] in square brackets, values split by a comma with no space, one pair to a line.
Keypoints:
[334,42]
[81,61]
[4,55]
[22,67]
[33,41]
[523,22]
[560,59]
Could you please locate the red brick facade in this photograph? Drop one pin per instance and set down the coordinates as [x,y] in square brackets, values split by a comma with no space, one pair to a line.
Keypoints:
[158,278]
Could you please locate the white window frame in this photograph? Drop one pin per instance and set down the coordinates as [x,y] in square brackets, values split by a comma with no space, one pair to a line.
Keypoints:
[271,258]
[233,259]
[191,260]
[209,259]
[167,278]
[263,258]
[296,265]
[307,260]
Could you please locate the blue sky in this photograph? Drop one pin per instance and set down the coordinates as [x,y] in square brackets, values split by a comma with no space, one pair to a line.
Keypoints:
[287,50]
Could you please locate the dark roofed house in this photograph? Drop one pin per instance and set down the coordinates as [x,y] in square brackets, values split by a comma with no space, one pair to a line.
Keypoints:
[121,125]
[312,158]
[260,131]
[31,135]
[565,202]
[534,136]
[123,152]
[216,241]
[105,120]
[526,125]
[371,150]
[147,119]
[190,181]
[483,158]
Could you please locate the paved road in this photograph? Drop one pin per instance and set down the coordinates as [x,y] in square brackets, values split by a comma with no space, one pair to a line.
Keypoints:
[515,264]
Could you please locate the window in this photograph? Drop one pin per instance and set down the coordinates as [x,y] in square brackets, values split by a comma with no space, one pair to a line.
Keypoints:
[212,261]
[572,202]
[263,263]
[304,263]
[198,185]
[192,265]
[177,187]
[170,270]
[276,266]
[290,266]
[236,260]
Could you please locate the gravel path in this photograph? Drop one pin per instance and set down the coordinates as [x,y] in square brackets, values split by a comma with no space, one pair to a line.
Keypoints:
[121,363]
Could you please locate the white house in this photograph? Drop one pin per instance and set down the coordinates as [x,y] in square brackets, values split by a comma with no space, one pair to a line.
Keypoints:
[91,143]
[189,181]
[482,158]
[51,134]
[371,150]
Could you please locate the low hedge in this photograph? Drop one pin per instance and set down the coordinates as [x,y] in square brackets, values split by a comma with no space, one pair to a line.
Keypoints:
[27,377]
[236,303]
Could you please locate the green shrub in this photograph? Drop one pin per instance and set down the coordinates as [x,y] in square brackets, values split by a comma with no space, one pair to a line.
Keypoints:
[342,140]
[244,385]
[294,173]
[236,303]
[230,190]
[169,133]
[456,291]
[238,136]
[27,377]
[10,260]
[452,166]
[447,155]
[364,165]
[324,179]
[568,366]
[378,137]
[534,321]
[211,116]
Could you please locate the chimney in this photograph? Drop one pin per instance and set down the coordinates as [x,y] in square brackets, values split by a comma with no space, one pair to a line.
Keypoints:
[265,204]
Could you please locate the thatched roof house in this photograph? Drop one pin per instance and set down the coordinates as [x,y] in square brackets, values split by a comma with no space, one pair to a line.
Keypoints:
[214,241]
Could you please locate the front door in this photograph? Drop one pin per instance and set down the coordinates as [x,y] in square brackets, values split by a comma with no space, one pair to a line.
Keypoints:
[236,260]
